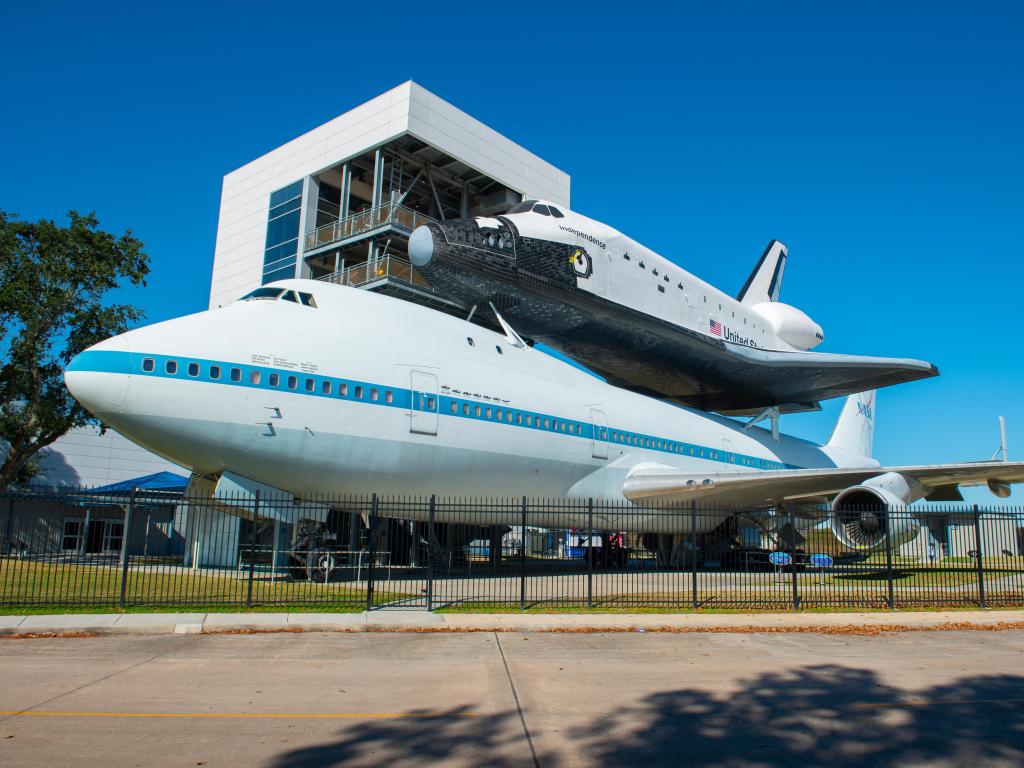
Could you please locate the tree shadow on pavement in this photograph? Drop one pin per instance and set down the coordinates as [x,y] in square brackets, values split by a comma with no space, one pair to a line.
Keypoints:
[826,715]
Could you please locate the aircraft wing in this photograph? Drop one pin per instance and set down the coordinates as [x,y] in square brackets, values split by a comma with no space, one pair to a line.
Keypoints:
[665,484]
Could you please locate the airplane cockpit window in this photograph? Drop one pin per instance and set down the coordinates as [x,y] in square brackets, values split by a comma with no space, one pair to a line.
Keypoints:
[523,207]
[290,296]
[555,212]
[307,299]
[541,209]
[267,294]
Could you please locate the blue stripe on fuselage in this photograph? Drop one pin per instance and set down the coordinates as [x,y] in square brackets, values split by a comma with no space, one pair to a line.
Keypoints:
[316,385]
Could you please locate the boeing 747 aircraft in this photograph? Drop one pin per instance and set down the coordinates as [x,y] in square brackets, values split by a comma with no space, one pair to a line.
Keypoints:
[313,388]
[641,321]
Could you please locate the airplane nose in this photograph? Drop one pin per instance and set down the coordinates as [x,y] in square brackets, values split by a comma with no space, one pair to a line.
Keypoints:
[98,377]
[421,246]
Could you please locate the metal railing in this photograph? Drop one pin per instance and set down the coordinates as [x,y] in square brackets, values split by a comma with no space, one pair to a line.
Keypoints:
[378,269]
[360,553]
[389,215]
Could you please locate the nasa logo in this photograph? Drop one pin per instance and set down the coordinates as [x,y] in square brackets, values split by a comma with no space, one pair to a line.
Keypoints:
[581,263]
[864,409]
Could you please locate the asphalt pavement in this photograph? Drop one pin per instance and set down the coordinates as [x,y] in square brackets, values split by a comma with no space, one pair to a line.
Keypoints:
[291,699]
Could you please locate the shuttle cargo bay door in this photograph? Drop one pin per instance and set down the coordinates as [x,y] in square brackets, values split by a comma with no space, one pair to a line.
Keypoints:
[423,403]
[600,424]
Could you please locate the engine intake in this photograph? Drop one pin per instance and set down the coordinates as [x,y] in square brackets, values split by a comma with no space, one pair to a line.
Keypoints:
[862,514]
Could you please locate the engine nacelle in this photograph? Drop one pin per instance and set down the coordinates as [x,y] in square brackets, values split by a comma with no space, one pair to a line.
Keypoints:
[790,324]
[862,513]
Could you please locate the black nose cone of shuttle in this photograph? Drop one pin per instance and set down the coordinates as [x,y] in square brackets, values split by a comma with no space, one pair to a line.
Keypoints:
[421,246]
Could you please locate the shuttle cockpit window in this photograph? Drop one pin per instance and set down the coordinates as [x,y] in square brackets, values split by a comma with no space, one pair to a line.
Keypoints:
[555,212]
[524,207]
[267,294]
[541,209]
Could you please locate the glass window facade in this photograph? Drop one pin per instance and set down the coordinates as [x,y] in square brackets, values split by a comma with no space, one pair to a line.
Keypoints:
[283,230]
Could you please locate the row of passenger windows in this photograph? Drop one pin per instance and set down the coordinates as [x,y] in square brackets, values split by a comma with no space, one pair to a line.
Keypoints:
[373,394]
[514,417]
[274,380]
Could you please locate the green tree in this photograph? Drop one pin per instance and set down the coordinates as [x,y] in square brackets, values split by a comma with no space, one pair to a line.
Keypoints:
[54,285]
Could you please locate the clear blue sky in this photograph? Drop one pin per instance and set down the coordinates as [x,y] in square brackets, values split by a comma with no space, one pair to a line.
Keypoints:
[884,143]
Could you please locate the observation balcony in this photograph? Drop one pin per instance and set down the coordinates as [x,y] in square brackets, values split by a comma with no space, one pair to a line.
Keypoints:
[389,217]
[390,274]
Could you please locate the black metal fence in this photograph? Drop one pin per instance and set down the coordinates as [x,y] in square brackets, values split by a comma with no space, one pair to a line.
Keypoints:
[66,549]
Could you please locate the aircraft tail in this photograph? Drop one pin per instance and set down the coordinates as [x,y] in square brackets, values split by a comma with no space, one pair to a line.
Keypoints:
[855,430]
[765,282]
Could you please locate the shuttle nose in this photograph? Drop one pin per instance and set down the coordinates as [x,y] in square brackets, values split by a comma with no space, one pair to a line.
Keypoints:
[421,246]
[98,377]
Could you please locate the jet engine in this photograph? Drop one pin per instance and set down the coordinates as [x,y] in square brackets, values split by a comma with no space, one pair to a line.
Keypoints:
[862,513]
[790,324]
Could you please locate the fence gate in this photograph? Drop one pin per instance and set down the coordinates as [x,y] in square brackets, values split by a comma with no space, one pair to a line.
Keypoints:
[423,403]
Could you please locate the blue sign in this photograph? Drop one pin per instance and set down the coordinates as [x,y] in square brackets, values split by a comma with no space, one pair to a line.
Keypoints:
[821,561]
[780,558]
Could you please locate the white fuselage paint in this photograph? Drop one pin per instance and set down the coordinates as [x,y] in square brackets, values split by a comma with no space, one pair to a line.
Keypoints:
[311,444]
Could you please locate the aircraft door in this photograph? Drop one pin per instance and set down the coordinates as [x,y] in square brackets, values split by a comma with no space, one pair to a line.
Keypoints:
[423,403]
[600,424]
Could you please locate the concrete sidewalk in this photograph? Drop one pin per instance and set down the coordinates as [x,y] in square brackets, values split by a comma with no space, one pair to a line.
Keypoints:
[413,621]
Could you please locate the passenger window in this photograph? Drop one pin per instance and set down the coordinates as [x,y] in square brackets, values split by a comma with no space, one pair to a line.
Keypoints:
[389,397]
[476,410]
[455,407]
[293,382]
[373,394]
[236,374]
[359,393]
[275,380]
[290,296]
[254,377]
[343,390]
[431,403]
[469,340]
[489,414]
[497,414]
[547,423]
[465,409]
[529,420]
[214,371]
[500,350]
[171,366]
[148,364]
[193,369]
[310,385]
[325,387]
[508,417]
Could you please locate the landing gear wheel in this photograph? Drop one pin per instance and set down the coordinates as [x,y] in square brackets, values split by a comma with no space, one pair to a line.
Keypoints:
[320,564]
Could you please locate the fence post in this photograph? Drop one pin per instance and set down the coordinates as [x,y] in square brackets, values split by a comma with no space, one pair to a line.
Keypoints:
[693,554]
[522,560]
[590,553]
[372,553]
[430,552]
[125,535]
[977,548]
[888,563]
[252,549]
[792,559]
[6,548]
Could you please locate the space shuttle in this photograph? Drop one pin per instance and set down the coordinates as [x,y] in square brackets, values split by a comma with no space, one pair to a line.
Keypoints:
[641,321]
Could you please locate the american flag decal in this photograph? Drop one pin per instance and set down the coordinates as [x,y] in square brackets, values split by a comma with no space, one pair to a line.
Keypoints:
[716,328]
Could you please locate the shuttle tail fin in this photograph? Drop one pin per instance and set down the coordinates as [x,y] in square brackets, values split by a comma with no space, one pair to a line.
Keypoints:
[765,282]
[855,429]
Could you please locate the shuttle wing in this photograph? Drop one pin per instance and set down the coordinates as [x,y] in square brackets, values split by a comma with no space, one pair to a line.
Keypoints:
[667,485]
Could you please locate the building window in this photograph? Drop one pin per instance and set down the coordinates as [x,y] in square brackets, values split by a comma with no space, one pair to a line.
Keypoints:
[171,366]
[72,538]
[214,371]
[282,242]
[193,369]
[148,364]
